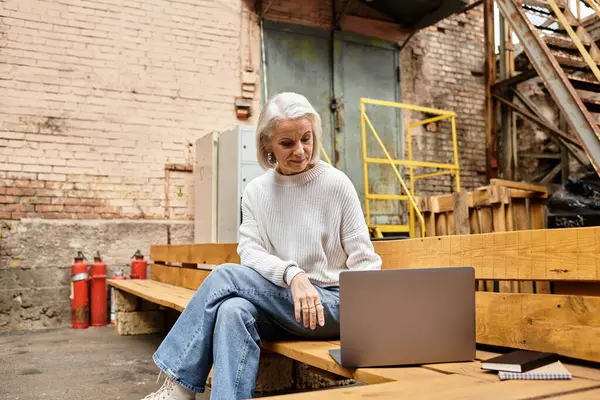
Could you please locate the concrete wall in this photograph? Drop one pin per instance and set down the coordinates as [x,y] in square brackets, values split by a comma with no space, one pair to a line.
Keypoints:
[36,257]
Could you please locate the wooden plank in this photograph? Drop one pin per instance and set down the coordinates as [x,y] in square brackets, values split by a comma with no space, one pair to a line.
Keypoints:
[461,213]
[499,217]
[524,194]
[521,224]
[538,221]
[486,222]
[519,185]
[188,278]
[479,197]
[568,325]
[593,394]
[316,353]
[430,224]
[441,225]
[394,390]
[472,369]
[453,387]
[571,254]
[139,322]
[451,224]
[206,253]
[441,204]
[157,292]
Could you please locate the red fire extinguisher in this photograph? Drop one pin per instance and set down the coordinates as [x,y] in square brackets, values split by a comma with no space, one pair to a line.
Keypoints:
[98,291]
[80,306]
[118,275]
[138,266]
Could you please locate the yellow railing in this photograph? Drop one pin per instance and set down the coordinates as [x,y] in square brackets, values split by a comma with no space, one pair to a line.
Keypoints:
[453,169]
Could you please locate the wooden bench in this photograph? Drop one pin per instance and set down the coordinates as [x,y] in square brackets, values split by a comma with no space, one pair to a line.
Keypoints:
[568,324]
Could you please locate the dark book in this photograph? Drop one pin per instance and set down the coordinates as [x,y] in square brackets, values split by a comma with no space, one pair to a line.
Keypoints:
[519,361]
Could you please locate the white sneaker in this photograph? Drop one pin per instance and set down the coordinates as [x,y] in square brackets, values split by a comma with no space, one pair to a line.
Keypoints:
[171,391]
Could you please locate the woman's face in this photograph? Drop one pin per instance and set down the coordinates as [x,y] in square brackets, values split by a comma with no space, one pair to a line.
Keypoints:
[292,144]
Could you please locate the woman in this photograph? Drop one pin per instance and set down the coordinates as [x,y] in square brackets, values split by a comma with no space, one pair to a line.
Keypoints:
[302,224]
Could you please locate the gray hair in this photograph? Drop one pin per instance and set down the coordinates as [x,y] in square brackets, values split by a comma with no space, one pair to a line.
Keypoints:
[284,106]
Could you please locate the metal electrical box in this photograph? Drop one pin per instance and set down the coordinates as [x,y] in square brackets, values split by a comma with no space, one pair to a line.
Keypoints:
[226,164]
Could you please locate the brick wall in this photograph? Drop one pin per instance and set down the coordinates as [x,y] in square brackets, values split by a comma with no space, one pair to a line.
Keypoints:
[443,68]
[98,95]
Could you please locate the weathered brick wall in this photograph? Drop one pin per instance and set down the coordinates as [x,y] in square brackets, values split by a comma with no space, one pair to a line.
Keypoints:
[98,95]
[96,98]
[442,67]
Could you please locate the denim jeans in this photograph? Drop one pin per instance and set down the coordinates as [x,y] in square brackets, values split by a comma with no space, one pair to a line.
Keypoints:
[224,322]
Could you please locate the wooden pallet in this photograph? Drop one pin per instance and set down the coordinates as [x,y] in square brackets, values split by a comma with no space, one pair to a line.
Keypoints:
[502,206]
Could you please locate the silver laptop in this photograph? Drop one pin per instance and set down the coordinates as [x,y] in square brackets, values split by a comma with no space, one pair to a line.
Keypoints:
[406,317]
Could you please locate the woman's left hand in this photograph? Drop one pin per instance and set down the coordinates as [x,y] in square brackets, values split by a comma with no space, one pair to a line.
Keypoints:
[307,300]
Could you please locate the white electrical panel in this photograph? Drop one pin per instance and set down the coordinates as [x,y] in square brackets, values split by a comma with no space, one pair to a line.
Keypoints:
[226,163]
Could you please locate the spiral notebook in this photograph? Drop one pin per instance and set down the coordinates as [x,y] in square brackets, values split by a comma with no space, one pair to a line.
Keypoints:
[554,371]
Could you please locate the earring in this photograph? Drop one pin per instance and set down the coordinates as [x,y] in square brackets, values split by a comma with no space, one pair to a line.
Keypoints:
[270,157]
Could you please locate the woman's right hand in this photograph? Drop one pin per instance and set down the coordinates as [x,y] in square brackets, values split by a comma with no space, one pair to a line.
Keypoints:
[307,302]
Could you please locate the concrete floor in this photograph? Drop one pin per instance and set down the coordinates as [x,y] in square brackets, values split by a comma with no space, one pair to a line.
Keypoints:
[70,364]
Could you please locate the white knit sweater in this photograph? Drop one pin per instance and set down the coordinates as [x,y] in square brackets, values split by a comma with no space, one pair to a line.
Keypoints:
[309,222]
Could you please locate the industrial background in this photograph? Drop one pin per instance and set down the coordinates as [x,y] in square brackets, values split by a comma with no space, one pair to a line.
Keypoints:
[103,101]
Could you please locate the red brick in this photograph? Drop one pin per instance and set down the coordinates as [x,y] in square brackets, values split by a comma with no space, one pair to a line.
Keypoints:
[55,215]
[91,202]
[107,210]
[20,215]
[20,191]
[20,207]
[5,215]
[29,184]
[45,192]
[48,208]
[7,199]
[78,209]
[89,216]
[2,190]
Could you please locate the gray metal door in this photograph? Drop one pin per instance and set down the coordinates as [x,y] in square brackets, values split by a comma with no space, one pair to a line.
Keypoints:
[369,68]
[299,59]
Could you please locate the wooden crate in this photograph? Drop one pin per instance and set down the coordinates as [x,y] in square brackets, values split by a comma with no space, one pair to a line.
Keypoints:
[502,206]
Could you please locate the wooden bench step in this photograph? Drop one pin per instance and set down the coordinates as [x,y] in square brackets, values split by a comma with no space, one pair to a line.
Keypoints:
[164,294]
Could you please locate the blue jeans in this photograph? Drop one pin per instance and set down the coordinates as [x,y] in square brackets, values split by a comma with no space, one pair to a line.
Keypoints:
[224,322]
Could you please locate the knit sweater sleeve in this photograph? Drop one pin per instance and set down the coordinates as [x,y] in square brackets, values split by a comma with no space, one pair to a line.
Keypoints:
[355,233]
[253,250]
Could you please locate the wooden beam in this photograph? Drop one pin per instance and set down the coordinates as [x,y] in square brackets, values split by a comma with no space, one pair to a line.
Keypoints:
[571,254]
[519,185]
[567,325]
[185,277]
[209,253]
[460,208]
[164,294]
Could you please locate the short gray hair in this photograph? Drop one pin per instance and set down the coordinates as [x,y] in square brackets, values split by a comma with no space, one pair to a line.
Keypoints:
[285,106]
